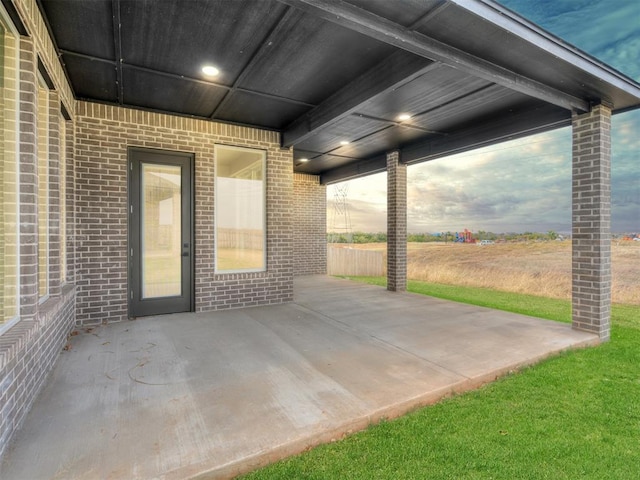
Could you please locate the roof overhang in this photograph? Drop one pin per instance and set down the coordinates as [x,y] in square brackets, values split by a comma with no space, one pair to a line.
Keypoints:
[332,76]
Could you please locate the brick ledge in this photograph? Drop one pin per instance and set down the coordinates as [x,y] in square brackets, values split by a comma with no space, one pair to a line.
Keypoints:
[17,337]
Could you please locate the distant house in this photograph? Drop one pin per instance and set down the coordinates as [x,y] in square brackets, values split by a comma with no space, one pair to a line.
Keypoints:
[136,183]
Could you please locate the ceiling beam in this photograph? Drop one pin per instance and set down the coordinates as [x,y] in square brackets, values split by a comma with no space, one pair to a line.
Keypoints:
[358,169]
[117,40]
[384,30]
[86,57]
[397,69]
[484,133]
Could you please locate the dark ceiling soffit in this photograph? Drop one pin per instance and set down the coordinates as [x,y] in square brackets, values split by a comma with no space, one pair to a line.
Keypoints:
[492,133]
[15,17]
[52,37]
[513,23]
[174,114]
[397,69]
[289,15]
[118,62]
[171,75]
[182,77]
[384,30]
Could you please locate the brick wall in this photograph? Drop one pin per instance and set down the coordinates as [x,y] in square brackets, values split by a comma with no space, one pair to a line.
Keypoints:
[28,352]
[103,134]
[29,349]
[309,225]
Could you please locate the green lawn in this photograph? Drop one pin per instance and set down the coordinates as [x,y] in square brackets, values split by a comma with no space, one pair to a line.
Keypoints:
[574,416]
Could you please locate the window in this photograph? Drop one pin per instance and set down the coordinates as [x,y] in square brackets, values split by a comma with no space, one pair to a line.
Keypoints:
[43,189]
[240,199]
[9,267]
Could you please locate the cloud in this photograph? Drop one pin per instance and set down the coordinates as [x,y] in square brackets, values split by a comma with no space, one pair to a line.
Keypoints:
[514,186]
[358,205]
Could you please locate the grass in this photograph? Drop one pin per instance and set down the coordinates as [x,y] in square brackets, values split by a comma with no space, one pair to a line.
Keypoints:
[542,307]
[573,416]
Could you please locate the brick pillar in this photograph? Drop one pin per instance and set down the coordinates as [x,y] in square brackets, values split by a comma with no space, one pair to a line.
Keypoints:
[310,225]
[591,222]
[28,181]
[396,223]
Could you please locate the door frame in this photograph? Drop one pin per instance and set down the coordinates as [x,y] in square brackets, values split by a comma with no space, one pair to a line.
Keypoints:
[134,265]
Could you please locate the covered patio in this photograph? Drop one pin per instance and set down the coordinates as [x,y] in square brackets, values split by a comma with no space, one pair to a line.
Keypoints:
[220,393]
[277,99]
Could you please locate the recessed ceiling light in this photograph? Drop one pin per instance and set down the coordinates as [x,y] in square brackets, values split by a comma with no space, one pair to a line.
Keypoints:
[303,160]
[210,71]
[403,117]
[344,142]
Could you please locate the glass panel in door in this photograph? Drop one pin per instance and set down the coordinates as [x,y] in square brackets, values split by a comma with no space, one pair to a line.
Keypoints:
[161,228]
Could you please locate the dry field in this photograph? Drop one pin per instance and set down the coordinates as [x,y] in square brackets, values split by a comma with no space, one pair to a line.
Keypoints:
[536,268]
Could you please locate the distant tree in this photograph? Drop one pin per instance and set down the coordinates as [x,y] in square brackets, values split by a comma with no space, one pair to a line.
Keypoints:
[381,237]
[418,237]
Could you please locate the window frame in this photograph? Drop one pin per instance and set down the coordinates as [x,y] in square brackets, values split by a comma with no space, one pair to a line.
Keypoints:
[218,202]
[10,29]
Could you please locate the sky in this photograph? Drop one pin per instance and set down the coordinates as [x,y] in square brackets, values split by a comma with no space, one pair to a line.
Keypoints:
[483,190]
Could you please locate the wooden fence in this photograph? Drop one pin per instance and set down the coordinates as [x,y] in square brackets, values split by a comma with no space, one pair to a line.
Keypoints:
[354,262]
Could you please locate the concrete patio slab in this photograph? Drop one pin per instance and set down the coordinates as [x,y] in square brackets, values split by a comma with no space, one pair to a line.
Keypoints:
[212,395]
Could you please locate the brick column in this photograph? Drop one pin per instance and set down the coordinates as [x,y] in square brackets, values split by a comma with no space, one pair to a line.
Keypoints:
[591,222]
[396,223]
[28,181]
[310,225]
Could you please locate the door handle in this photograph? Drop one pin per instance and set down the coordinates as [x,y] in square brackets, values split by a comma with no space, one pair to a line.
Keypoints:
[185,252]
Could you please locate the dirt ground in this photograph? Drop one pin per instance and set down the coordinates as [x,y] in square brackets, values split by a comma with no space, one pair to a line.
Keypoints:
[538,268]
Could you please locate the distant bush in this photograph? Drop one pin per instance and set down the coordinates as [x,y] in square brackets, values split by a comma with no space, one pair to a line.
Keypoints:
[381,237]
